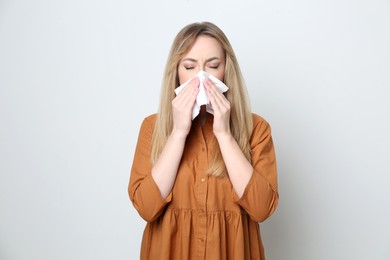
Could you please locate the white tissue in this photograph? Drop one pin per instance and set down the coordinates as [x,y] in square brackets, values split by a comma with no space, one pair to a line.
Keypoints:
[202,99]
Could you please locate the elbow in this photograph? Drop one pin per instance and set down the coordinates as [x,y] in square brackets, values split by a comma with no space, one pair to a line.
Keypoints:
[267,208]
[149,207]
[148,215]
[148,212]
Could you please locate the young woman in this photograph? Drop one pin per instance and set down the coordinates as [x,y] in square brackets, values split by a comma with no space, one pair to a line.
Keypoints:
[203,184]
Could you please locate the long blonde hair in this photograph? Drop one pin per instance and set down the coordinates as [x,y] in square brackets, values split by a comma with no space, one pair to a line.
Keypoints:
[240,115]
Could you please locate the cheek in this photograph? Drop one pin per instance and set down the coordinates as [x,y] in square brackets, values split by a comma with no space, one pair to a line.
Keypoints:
[185,75]
[220,75]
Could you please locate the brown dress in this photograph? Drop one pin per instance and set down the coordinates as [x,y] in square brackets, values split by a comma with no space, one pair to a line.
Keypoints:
[202,217]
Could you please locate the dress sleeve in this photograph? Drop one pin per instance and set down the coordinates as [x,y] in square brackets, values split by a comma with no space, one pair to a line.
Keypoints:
[143,191]
[260,197]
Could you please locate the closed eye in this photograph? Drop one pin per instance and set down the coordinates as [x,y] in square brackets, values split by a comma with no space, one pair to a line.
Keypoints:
[214,66]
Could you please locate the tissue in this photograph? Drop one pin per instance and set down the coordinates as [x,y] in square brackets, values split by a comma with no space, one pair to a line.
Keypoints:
[202,99]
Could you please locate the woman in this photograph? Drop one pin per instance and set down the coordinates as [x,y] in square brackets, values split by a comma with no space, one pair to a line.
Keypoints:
[203,185]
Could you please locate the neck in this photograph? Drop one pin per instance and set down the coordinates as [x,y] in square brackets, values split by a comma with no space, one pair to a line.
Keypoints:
[202,115]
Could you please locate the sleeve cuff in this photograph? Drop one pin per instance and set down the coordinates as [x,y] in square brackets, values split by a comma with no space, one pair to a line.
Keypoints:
[239,200]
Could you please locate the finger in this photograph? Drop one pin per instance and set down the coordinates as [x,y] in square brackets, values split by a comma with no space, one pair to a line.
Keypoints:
[190,86]
[190,97]
[185,101]
[215,91]
[189,92]
[217,99]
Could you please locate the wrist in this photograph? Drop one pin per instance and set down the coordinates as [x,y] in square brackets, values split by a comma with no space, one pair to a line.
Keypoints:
[178,134]
[224,137]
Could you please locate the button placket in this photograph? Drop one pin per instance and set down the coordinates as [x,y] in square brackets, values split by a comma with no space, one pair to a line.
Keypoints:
[202,215]
[201,187]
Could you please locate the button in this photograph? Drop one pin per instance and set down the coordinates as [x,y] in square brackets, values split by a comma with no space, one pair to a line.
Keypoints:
[201,240]
[203,179]
[203,149]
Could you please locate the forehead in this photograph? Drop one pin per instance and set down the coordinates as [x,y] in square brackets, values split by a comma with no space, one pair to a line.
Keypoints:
[205,47]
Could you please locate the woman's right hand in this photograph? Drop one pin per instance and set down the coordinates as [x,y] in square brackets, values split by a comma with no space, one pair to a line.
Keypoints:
[182,106]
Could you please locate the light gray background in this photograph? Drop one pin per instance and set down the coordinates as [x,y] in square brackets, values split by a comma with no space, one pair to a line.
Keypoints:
[77,77]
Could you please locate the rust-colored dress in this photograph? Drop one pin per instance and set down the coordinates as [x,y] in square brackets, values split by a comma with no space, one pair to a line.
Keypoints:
[202,217]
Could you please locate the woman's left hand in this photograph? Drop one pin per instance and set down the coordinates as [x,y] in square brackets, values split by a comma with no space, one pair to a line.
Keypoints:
[221,107]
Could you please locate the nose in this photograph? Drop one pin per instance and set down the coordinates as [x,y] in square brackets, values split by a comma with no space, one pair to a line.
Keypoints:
[200,68]
[203,67]
[196,71]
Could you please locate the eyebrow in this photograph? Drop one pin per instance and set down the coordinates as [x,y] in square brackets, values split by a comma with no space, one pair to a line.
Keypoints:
[208,60]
